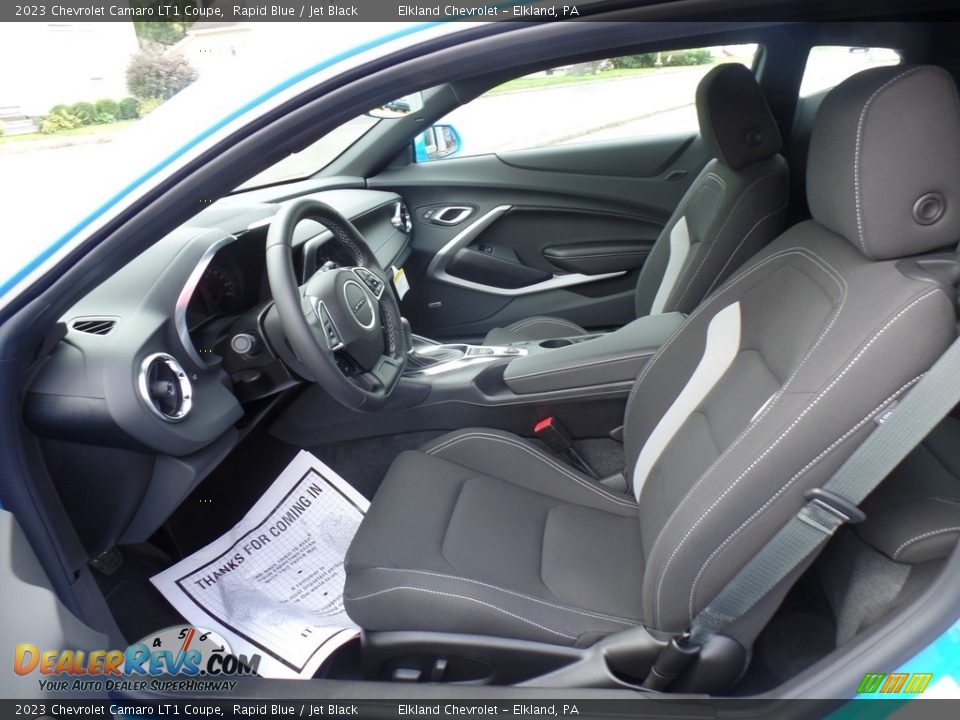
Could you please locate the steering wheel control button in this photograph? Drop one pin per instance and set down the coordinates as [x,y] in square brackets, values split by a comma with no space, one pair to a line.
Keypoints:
[371,281]
[329,329]
[358,302]
[245,344]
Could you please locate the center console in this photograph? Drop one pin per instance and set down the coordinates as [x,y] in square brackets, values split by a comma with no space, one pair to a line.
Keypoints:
[428,357]
[582,380]
[556,364]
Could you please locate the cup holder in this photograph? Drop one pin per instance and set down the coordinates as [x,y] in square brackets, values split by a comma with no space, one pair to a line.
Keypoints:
[555,343]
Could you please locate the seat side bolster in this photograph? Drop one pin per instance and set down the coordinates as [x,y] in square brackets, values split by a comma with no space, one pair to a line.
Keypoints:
[509,457]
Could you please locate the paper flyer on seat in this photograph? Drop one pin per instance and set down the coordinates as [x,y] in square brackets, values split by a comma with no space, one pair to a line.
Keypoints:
[273,585]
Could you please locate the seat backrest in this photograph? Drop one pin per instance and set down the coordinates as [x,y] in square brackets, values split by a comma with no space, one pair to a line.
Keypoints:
[773,381]
[734,207]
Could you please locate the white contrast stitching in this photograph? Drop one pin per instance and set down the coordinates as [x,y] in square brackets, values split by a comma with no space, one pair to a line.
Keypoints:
[769,405]
[710,303]
[772,402]
[566,608]
[782,435]
[535,453]
[940,498]
[461,597]
[790,482]
[856,154]
[547,321]
[719,233]
[759,222]
[941,531]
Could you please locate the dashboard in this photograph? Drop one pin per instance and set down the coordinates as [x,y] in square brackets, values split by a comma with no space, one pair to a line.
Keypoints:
[164,323]
[143,394]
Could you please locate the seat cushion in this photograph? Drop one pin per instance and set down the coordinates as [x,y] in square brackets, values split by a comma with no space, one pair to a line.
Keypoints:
[914,516]
[531,329]
[482,533]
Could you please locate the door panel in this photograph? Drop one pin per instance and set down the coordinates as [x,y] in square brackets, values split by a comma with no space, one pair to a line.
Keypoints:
[562,231]
[32,612]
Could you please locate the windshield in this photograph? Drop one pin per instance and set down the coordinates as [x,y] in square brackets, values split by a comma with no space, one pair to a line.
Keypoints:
[104,105]
[314,157]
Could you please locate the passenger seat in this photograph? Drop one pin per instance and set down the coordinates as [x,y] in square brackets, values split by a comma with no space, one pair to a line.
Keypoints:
[914,516]
[912,526]
[733,209]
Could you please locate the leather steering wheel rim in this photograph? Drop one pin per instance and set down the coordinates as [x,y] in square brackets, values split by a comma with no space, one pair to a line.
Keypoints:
[307,311]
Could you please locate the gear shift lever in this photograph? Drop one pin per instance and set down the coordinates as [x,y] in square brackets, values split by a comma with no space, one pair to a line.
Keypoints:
[423,353]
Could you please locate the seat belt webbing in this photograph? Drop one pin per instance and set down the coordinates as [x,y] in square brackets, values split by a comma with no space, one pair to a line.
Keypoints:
[930,400]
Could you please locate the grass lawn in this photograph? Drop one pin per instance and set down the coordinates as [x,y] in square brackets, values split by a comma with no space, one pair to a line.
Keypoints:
[543,81]
[86,132]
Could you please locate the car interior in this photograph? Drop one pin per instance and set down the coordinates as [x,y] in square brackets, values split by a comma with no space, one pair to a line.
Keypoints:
[620,366]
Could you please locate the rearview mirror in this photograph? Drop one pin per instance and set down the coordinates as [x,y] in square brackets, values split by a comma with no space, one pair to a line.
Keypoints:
[436,142]
[401,107]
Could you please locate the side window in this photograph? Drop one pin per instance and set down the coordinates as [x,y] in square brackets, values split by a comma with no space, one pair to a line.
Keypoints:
[607,99]
[829,65]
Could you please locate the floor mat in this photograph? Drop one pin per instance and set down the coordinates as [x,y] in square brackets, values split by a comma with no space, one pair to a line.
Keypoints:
[272,585]
[224,497]
[136,605]
[800,633]
[365,462]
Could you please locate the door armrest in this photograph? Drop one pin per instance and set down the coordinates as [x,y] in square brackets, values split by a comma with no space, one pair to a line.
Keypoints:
[596,258]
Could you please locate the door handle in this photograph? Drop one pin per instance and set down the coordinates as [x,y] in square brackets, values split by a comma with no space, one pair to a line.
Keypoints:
[451,215]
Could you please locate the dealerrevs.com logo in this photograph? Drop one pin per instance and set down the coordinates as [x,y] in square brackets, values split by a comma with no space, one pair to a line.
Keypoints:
[201,658]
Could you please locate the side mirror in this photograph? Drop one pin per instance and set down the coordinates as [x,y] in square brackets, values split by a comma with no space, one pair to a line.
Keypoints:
[401,107]
[436,142]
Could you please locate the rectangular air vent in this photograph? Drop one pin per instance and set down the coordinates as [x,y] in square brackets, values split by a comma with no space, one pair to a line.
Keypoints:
[94,326]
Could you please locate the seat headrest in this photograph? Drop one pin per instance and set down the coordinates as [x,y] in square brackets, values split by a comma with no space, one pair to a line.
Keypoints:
[884,163]
[735,120]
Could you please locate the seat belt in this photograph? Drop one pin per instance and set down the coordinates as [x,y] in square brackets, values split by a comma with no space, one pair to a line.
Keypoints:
[897,434]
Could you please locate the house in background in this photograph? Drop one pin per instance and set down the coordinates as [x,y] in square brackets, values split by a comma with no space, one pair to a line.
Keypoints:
[210,45]
[68,62]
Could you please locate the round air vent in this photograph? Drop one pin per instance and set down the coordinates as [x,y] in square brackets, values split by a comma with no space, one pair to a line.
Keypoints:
[401,219]
[165,387]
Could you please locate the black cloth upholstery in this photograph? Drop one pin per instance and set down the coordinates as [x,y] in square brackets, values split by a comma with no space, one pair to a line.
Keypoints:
[884,156]
[514,542]
[735,120]
[914,516]
[759,396]
[733,208]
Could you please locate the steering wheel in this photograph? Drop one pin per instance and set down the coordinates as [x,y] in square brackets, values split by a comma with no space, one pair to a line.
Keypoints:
[344,322]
